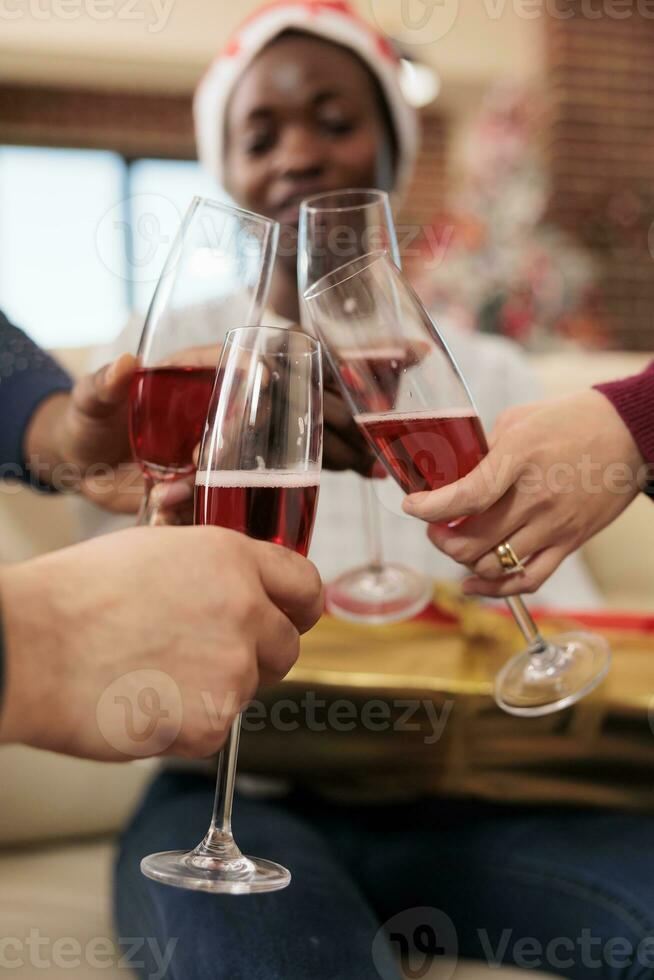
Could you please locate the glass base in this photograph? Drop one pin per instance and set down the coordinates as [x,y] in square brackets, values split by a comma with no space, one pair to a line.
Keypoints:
[378,594]
[534,684]
[188,869]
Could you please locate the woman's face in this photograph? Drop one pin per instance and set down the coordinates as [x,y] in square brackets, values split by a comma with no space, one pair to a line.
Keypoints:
[303,119]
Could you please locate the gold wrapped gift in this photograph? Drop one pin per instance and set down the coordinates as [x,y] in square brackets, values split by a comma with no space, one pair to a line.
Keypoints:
[396,711]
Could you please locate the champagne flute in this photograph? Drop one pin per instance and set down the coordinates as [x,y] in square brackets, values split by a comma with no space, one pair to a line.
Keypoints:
[219,267]
[429,435]
[259,473]
[333,227]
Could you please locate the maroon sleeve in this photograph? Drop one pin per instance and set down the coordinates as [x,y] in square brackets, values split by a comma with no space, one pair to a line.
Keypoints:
[633,400]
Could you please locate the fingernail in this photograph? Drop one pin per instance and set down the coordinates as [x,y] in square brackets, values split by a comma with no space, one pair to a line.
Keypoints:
[116,368]
[110,373]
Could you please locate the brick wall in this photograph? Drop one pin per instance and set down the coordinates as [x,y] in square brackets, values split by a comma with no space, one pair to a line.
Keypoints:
[140,124]
[601,156]
[136,124]
[426,195]
[160,125]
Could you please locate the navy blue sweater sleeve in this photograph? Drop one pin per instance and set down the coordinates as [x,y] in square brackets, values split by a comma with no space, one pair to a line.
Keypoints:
[27,376]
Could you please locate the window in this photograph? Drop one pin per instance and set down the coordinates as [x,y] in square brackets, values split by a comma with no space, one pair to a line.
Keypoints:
[83,237]
[159,194]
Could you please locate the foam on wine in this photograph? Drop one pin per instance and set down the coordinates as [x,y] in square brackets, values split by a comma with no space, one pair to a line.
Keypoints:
[256,478]
[368,418]
[423,450]
[266,504]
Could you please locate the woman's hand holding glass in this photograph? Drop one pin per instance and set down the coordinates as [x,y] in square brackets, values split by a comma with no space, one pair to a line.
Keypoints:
[423,424]
[556,473]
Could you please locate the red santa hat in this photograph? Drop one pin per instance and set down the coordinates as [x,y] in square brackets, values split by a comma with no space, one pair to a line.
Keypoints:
[333,20]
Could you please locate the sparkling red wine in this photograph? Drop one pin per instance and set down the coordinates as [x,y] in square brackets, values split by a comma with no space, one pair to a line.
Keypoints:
[168,409]
[375,373]
[425,451]
[264,504]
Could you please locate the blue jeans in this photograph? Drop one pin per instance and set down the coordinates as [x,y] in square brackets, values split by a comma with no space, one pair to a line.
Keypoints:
[566,891]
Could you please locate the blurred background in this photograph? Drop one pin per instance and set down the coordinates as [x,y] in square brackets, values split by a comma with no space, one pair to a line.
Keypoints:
[530,215]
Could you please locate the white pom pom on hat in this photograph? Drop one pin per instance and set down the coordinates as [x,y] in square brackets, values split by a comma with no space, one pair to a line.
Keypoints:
[333,20]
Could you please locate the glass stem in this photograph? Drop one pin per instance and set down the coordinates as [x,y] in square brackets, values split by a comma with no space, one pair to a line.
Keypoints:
[536,643]
[219,841]
[146,512]
[372,525]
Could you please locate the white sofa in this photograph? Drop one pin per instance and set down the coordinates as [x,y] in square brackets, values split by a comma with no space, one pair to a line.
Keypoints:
[58,816]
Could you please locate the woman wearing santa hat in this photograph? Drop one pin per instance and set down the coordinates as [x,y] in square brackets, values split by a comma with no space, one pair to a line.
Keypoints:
[306,98]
